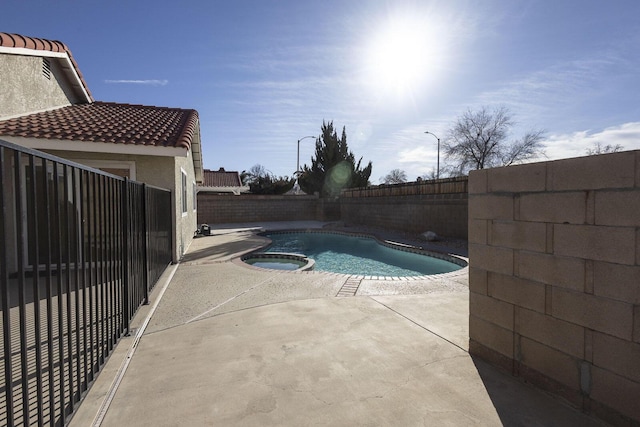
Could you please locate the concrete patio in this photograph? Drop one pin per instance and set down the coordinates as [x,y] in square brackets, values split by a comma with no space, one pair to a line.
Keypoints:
[225,344]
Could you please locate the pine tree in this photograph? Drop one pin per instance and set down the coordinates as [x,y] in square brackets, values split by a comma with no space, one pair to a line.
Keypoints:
[333,167]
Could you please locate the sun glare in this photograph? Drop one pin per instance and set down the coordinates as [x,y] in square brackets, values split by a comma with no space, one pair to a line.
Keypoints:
[404,55]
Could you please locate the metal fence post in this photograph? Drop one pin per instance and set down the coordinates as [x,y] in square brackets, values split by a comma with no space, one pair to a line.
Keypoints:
[6,306]
[126,306]
[145,247]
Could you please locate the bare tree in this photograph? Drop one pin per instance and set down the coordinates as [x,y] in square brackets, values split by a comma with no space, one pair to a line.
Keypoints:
[446,171]
[261,181]
[257,171]
[480,139]
[429,176]
[598,148]
[396,176]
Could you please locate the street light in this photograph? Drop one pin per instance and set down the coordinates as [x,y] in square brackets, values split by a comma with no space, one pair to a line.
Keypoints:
[298,164]
[438,167]
[296,187]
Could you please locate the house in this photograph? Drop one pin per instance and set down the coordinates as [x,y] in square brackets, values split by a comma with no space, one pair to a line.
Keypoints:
[222,182]
[45,104]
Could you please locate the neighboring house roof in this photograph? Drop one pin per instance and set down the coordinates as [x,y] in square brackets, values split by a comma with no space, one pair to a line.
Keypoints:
[221,178]
[221,181]
[16,43]
[109,123]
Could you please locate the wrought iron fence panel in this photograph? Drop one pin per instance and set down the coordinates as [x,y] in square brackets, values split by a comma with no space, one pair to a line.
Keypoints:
[159,244]
[80,251]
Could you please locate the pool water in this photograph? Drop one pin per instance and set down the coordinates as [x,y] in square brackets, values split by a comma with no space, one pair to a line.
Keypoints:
[340,253]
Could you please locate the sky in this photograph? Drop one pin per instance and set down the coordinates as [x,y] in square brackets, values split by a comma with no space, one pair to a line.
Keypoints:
[263,74]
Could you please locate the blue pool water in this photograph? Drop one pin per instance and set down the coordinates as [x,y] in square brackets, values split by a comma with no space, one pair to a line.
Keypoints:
[357,255]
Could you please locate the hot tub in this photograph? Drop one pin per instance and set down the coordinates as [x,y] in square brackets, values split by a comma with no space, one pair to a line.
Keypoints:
[279,261]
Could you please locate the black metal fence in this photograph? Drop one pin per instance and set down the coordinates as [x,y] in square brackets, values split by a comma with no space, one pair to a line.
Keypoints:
[79,252]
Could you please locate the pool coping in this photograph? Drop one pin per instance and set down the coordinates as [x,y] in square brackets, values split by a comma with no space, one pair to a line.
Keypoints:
[454,258]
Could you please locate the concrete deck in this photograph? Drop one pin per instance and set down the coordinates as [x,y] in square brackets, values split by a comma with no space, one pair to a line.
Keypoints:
[227,344]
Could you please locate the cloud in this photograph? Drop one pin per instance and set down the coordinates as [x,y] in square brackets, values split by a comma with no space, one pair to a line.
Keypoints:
[139,82]
[414,155]
[575,144]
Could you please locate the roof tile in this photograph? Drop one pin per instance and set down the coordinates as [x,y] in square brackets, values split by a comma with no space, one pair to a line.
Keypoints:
[109,123]
[221,178]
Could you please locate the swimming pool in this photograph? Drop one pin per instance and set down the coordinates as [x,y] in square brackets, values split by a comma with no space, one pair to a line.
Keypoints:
[358,255]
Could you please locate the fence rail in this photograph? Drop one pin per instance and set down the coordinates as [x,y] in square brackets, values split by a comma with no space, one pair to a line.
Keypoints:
[431,187]
[80,252]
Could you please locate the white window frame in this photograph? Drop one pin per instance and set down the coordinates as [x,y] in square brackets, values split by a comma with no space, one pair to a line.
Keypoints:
[184,200]
[195,196]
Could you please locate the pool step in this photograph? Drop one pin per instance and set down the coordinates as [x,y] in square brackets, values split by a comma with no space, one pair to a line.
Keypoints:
[350,287]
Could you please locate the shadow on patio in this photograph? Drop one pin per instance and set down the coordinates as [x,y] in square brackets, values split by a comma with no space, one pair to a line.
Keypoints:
[278,349]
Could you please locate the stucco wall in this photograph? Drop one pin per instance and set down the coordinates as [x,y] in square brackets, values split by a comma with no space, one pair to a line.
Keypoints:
[24,88]
[159,171]
[186,223]
[554,277]
[153,170]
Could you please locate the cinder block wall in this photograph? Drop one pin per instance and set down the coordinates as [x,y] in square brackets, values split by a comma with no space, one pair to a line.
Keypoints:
[219,209]
[554,278]
[435,205]
[444,214]
[439,206]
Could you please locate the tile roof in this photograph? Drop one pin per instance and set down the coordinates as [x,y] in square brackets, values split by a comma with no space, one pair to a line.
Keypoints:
[221,178]
[110,123]
[19,41]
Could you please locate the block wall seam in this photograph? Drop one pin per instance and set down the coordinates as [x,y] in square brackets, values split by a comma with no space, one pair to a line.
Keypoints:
[565,272]
[590,208]
[615,317]
[548,300]
[636,324]
[492,335]
[588,345]
[514,290]
[637,245]
[549,359]
[588,276]
[596,242]
[549,238]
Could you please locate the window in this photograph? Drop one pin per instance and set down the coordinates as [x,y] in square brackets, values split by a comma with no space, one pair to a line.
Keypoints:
[184,192]
[122,168]
[47,212]
[195,196]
